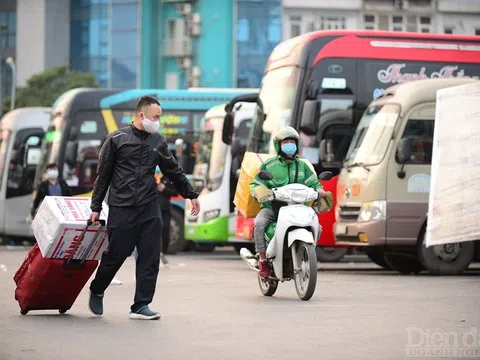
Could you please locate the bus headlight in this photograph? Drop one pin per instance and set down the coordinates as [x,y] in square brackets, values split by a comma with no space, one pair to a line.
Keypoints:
[211,214]
[373,211]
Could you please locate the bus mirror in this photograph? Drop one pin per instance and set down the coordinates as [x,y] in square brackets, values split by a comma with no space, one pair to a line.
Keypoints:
[15,156]
[312,91]
[237,147]
[323,150]
[403,155]
[403,151]
[227,131]
[71,153]
[310,116]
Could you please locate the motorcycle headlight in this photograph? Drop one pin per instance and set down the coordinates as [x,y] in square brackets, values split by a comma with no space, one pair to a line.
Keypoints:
[298,197]
[211,214]
[373,211]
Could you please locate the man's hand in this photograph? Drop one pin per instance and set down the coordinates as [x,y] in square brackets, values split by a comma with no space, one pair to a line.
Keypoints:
[195,207]
[161,187]
[94,217]
[322,193]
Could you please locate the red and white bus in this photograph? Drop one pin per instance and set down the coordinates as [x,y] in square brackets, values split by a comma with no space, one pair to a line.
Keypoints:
[321,82]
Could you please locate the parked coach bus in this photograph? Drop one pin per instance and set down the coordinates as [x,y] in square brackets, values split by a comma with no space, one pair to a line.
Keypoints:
[321,82]
[21,134]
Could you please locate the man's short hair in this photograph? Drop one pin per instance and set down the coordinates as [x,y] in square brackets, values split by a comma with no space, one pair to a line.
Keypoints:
[52,166]
[146,101]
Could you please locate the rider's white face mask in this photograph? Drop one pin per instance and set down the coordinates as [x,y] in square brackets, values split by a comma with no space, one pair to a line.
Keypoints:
[150,126]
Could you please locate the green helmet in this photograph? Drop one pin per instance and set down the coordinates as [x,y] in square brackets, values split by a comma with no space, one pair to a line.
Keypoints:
[284,133]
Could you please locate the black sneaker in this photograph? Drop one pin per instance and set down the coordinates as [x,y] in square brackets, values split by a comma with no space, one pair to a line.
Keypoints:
[144,313]
[95,304]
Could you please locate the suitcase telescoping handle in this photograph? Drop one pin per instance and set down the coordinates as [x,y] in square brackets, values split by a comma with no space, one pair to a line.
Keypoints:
[80,240]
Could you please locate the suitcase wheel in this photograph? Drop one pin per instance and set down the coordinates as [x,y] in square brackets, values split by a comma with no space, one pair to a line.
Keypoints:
[62,311]
[24,312]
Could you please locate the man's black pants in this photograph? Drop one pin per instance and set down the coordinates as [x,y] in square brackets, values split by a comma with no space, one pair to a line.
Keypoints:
[166,217]
[130,227]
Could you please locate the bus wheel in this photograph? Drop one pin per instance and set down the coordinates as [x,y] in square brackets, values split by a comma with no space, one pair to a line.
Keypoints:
[403,263]
[330,254]
[375,255]
[447,259]
[250,247]
[177,235]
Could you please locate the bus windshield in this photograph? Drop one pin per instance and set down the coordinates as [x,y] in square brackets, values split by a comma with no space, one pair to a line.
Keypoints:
[278,90]
[4,137]
[372,135]
[210,161]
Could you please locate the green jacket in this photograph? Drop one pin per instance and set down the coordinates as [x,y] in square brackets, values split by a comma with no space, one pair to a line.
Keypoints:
[284,173]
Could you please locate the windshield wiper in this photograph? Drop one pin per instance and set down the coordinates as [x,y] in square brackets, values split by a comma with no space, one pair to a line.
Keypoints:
[357,164]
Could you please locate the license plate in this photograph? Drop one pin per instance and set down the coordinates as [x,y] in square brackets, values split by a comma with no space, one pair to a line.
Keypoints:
[341,229]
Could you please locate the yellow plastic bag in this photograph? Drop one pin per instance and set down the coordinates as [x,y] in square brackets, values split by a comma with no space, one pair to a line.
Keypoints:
[244,201]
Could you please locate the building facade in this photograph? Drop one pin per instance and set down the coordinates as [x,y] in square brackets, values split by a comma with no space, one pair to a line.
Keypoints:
[150,43]
[105,39]
[43,40]
[427,16]
[8,40]
[193,43]
[208,43]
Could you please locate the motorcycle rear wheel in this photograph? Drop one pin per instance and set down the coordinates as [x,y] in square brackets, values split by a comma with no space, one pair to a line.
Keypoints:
[306,279]
[267,287]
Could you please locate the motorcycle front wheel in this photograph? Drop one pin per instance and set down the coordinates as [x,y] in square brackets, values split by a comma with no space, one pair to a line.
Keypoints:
[267,287]
[306,278]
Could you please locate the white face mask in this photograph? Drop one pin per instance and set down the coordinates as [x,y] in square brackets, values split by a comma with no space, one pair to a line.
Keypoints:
[52,174]
[150,126]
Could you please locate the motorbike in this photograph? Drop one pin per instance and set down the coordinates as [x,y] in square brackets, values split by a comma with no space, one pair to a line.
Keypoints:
[291,240]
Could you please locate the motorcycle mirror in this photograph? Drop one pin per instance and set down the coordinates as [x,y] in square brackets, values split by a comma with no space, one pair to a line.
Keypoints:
[265,175]
[326,175]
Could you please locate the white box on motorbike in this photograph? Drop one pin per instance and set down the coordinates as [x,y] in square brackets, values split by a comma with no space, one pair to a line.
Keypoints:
[60,221]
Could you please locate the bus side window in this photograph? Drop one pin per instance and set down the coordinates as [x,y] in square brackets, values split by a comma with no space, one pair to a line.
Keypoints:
[420,138]
[22,166]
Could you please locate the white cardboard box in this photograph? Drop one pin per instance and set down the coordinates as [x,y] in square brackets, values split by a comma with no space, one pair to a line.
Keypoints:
[60,221]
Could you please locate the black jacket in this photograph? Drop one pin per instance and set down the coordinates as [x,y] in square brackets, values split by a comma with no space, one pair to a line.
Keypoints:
[166,194]
[43,191]
[127,162]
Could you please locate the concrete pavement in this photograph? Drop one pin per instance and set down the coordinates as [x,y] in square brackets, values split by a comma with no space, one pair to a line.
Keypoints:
[212,309]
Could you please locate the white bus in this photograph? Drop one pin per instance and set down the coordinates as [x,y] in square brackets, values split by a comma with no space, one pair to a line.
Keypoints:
[21,134]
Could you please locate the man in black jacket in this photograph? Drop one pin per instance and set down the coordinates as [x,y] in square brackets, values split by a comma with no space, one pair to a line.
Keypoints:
[127,162]
[53,186]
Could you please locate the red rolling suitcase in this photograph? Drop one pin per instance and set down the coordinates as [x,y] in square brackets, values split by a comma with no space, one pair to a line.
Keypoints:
[52,284]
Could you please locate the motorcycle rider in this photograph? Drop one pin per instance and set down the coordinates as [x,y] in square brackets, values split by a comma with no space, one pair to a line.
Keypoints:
[286,168]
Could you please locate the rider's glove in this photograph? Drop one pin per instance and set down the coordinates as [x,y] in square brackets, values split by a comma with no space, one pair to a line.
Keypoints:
[262,193]
[324,203]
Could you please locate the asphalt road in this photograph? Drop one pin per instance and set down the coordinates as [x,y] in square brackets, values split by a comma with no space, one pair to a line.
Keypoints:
[212,309]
